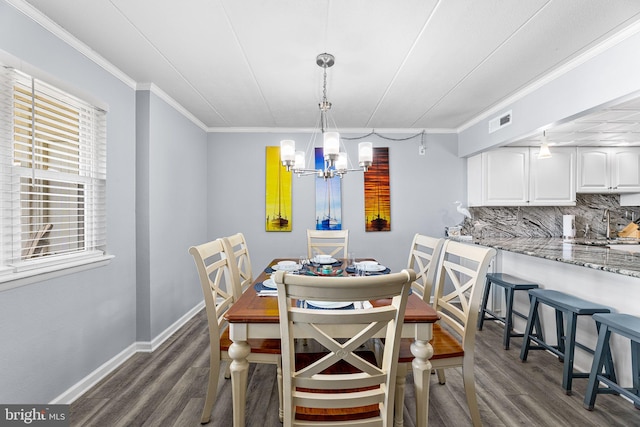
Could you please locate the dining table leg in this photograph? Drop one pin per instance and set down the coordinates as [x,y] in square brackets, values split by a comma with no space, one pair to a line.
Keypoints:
[422,352]
[239,368]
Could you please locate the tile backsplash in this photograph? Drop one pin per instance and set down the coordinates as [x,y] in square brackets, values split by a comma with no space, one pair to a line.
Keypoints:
[546,221]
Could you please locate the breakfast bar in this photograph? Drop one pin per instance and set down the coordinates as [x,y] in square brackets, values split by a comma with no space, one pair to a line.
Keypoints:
[596,273]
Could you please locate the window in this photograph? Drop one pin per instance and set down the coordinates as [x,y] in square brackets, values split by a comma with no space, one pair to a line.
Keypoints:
[52,175]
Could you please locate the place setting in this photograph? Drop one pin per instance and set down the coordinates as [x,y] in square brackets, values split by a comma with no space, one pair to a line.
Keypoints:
[367,268]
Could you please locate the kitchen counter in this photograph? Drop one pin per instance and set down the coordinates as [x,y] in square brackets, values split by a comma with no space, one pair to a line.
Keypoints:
[596,257]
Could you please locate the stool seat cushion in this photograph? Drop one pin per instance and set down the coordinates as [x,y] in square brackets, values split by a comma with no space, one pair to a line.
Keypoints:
[510,281]
[566,302]
[623,324]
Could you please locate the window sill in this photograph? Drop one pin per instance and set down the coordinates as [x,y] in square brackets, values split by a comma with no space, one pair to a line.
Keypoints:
[39,274]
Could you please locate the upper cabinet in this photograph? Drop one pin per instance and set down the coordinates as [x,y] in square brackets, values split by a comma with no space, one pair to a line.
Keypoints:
[514,176]
[608,170]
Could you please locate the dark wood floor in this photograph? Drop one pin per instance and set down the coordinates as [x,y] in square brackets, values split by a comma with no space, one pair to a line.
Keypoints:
[167,387]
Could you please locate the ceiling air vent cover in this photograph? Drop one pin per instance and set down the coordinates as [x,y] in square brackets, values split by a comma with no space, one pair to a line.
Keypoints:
[499,122]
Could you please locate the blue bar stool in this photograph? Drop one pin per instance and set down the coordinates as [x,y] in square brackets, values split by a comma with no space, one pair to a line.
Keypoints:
[510,285]
[565,306]
[627,326]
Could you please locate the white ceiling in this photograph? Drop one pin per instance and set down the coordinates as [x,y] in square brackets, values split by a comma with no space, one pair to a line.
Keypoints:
[410,64]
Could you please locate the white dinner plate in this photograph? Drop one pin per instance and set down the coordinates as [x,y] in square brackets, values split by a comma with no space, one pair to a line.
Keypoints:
[287,267]
[329,304]
[372,267]
[327,261]
[269,283]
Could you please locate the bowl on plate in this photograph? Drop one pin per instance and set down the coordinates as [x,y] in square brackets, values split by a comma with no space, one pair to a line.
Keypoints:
[287,266]
[324,259]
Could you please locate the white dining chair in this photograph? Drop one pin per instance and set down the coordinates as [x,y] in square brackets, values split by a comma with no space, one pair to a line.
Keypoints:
[214,270]
[423,258]
[461,273]
[328,242]
[312,391]
[243,273]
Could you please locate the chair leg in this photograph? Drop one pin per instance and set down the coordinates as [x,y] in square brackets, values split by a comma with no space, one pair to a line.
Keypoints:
[483,305]
[569,350]
[441,377]
[227,371]
[398,404]
[508,318]
[537,325]
[212,389]
[635,368]
[470,391]
[562,340]
[596,367]
[279,381]
[533,318]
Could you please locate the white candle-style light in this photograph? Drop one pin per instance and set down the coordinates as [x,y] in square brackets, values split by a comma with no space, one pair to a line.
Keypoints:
[287,150]
[300,160]
[331,145]
[342,162]
[365,154]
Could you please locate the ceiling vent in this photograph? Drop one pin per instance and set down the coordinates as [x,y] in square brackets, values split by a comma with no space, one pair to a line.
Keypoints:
[499,122]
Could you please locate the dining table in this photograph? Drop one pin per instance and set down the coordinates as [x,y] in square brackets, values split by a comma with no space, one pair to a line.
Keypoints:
[256,316]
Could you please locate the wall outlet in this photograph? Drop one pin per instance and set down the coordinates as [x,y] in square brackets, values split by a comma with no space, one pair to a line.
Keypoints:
[422,150]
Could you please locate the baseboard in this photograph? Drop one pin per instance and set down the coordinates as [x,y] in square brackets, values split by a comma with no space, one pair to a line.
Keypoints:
[149,346]
[82,386]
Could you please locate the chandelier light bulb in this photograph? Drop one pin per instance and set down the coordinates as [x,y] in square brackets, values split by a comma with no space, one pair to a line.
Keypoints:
[365,152]
[331,143]
[287,150]
[300,160]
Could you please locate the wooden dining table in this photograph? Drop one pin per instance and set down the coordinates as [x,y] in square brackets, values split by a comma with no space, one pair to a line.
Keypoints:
[254,316]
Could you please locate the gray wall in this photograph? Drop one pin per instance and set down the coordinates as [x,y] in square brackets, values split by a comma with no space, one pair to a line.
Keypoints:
[608,77]
[178,217]
[56,332]
[423,189]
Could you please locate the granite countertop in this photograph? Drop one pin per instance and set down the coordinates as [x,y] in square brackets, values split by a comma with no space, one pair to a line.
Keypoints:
[596,257]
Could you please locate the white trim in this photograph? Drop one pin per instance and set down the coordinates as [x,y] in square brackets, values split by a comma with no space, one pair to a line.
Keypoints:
[172,102]
[342,130]
[150,346]
[85,384]
[79,388]
[14,280]
[50,80]
[55,29]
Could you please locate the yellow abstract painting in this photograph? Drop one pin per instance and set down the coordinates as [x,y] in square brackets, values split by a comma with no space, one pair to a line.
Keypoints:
[277,192]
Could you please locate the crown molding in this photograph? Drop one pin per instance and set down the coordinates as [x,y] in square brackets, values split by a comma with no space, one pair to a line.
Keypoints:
[55,29]
[342,130]
[153,88]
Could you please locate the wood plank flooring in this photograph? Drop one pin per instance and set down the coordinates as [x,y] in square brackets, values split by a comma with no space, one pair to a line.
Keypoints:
[167,388]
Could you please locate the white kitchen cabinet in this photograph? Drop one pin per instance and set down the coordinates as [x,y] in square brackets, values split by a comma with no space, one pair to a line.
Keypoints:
[514,176]
[505,177]
[608,170]
[552,181]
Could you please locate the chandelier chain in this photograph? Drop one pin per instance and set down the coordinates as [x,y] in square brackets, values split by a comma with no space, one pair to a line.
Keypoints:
[373,132]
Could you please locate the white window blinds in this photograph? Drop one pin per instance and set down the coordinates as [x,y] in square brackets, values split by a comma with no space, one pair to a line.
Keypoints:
[53,174]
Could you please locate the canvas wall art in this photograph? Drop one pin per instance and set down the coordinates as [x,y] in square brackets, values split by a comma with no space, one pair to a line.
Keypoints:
[377,194]
[277,192]
[328,198]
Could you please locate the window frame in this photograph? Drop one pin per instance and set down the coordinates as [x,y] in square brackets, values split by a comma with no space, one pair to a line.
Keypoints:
[14,269]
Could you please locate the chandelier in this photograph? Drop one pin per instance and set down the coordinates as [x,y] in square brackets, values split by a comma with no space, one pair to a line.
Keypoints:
[336,162]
